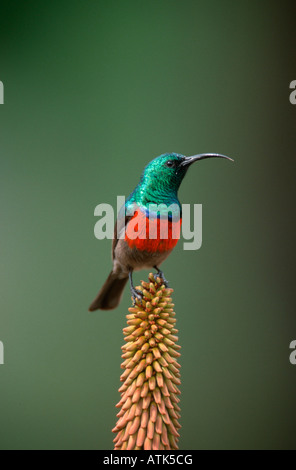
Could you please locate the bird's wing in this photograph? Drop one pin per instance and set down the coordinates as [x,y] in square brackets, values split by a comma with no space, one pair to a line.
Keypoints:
[123,223]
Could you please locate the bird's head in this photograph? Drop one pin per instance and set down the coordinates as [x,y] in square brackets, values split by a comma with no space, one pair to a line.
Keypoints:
[165,173]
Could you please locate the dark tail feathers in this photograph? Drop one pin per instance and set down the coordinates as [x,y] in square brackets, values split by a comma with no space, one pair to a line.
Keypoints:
[110,294]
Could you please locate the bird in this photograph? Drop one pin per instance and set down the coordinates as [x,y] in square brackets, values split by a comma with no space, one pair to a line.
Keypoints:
[137,245]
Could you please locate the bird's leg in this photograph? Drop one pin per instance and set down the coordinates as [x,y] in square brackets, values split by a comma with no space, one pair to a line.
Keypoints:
[161,275]
[136,294]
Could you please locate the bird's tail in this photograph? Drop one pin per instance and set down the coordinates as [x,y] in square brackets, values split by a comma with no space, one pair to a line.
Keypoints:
[110,294]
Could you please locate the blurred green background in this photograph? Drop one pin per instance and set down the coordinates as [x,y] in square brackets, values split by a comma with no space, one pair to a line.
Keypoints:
[93,91]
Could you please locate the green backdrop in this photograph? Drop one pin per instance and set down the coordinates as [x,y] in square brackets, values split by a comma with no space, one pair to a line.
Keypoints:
[93,91]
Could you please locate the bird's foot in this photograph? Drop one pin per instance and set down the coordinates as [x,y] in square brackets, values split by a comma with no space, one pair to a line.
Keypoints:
[161,276]
[136,295]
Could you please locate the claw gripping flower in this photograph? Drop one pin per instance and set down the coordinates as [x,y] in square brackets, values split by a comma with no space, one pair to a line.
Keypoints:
[149,411]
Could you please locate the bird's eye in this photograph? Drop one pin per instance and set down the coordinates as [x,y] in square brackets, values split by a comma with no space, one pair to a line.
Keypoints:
[170,164]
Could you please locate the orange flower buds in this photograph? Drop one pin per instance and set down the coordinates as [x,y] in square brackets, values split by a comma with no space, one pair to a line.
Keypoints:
[148,418]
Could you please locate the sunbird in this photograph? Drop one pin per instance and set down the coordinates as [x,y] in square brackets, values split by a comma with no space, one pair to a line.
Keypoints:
[136,244]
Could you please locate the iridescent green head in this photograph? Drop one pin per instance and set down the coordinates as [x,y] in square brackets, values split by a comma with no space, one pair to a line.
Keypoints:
[162,177]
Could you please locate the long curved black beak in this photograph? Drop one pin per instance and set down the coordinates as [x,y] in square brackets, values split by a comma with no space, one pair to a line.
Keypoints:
[189,160]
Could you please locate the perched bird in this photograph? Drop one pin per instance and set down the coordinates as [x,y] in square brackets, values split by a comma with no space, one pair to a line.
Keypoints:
[136,244]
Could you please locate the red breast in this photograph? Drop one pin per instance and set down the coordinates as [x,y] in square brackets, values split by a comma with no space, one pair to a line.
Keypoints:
[143,233]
